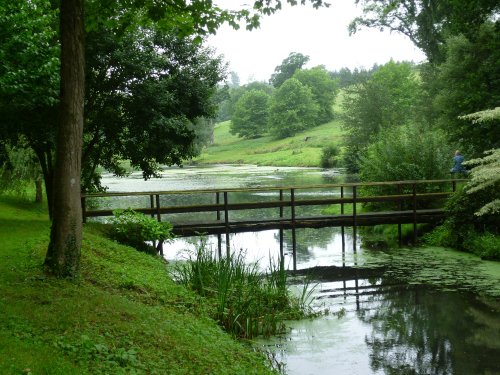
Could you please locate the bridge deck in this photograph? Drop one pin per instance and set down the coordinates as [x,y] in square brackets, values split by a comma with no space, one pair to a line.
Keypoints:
[362,219]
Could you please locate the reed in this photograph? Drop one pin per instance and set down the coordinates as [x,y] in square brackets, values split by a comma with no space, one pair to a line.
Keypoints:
[242,300]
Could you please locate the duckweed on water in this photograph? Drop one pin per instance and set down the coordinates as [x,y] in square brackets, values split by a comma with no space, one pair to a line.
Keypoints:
[442,268]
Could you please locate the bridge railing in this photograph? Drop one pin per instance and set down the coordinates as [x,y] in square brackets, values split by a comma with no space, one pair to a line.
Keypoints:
[344,195]
[406,206]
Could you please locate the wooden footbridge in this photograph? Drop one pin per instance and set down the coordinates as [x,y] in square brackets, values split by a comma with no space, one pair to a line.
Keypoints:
[394,202]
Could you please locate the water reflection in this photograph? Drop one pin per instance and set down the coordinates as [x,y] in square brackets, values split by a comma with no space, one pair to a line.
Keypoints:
[390,328]
[260,246]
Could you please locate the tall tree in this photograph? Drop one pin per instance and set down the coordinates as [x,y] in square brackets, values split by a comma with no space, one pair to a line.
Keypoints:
[464,87]
[235,79]
[63,254]
[323,88]
[29,80]
[385,101]
[292,109]
[250,116]
[287,68]
[187,17]
[226,108]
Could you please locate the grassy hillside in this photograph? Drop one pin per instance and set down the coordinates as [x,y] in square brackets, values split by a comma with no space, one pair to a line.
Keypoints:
[304,149]
[123,316]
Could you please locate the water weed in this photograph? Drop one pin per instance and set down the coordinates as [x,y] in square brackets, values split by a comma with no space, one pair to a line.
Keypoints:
[244,301]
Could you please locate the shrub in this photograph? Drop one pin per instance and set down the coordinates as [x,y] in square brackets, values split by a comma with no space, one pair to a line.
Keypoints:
[134,229]
[406,153]
[329,156]
[466,231]
[484,245]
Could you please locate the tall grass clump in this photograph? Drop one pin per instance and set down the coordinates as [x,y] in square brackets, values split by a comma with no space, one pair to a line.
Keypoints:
[245,302]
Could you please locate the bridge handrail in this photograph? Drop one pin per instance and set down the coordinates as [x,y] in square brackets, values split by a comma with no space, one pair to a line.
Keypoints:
[272,188]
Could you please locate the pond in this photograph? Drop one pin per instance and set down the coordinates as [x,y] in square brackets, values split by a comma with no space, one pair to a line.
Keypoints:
[385,311]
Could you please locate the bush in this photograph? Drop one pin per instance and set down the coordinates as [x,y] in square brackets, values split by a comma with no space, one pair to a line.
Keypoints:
[134,229]
[440,236]
[406,153]
[329,156]
[484,245]
[466,231]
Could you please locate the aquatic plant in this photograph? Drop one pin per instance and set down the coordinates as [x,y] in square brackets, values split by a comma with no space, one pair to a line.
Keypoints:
[242,300]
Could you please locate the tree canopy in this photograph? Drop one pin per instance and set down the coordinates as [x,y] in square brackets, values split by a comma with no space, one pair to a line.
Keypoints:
[323,88]
[292,109]
[287,68]
[146,92]
[250,118]
[426,22]
[196,17]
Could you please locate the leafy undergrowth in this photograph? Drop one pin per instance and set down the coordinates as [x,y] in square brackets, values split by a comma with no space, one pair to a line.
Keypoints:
[124,314]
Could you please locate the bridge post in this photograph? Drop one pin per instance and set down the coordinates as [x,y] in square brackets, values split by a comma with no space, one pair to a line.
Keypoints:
[226,223]
[158,217]
[282,253]
[219,237]
[354,193]
[414,188]
[294,237]
[400,208]
[342,229]
[84,209]
[152,204]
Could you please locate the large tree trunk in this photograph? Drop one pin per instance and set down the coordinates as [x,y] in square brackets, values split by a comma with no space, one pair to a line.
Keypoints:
[63,254]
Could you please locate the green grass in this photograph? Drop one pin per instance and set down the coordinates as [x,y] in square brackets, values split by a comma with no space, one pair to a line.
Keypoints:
[124,314]
[292,151]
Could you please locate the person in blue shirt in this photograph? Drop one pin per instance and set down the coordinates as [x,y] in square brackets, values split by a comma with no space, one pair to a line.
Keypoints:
[458,159]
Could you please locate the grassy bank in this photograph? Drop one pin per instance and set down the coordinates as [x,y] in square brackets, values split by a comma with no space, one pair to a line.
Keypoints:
[302,150]
[124,315]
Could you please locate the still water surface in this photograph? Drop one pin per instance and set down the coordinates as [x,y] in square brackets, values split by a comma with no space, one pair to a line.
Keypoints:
[426,311]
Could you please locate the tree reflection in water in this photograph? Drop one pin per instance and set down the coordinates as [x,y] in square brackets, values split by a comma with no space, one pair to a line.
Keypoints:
[420,331]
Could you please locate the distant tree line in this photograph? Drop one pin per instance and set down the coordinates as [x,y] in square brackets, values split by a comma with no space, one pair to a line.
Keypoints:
[295,99]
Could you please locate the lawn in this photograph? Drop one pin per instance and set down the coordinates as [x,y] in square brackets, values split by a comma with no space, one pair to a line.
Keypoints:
[124,315]
[303,149]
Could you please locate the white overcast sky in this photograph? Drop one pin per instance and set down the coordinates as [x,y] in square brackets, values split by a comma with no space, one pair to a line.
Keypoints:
[319,33]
